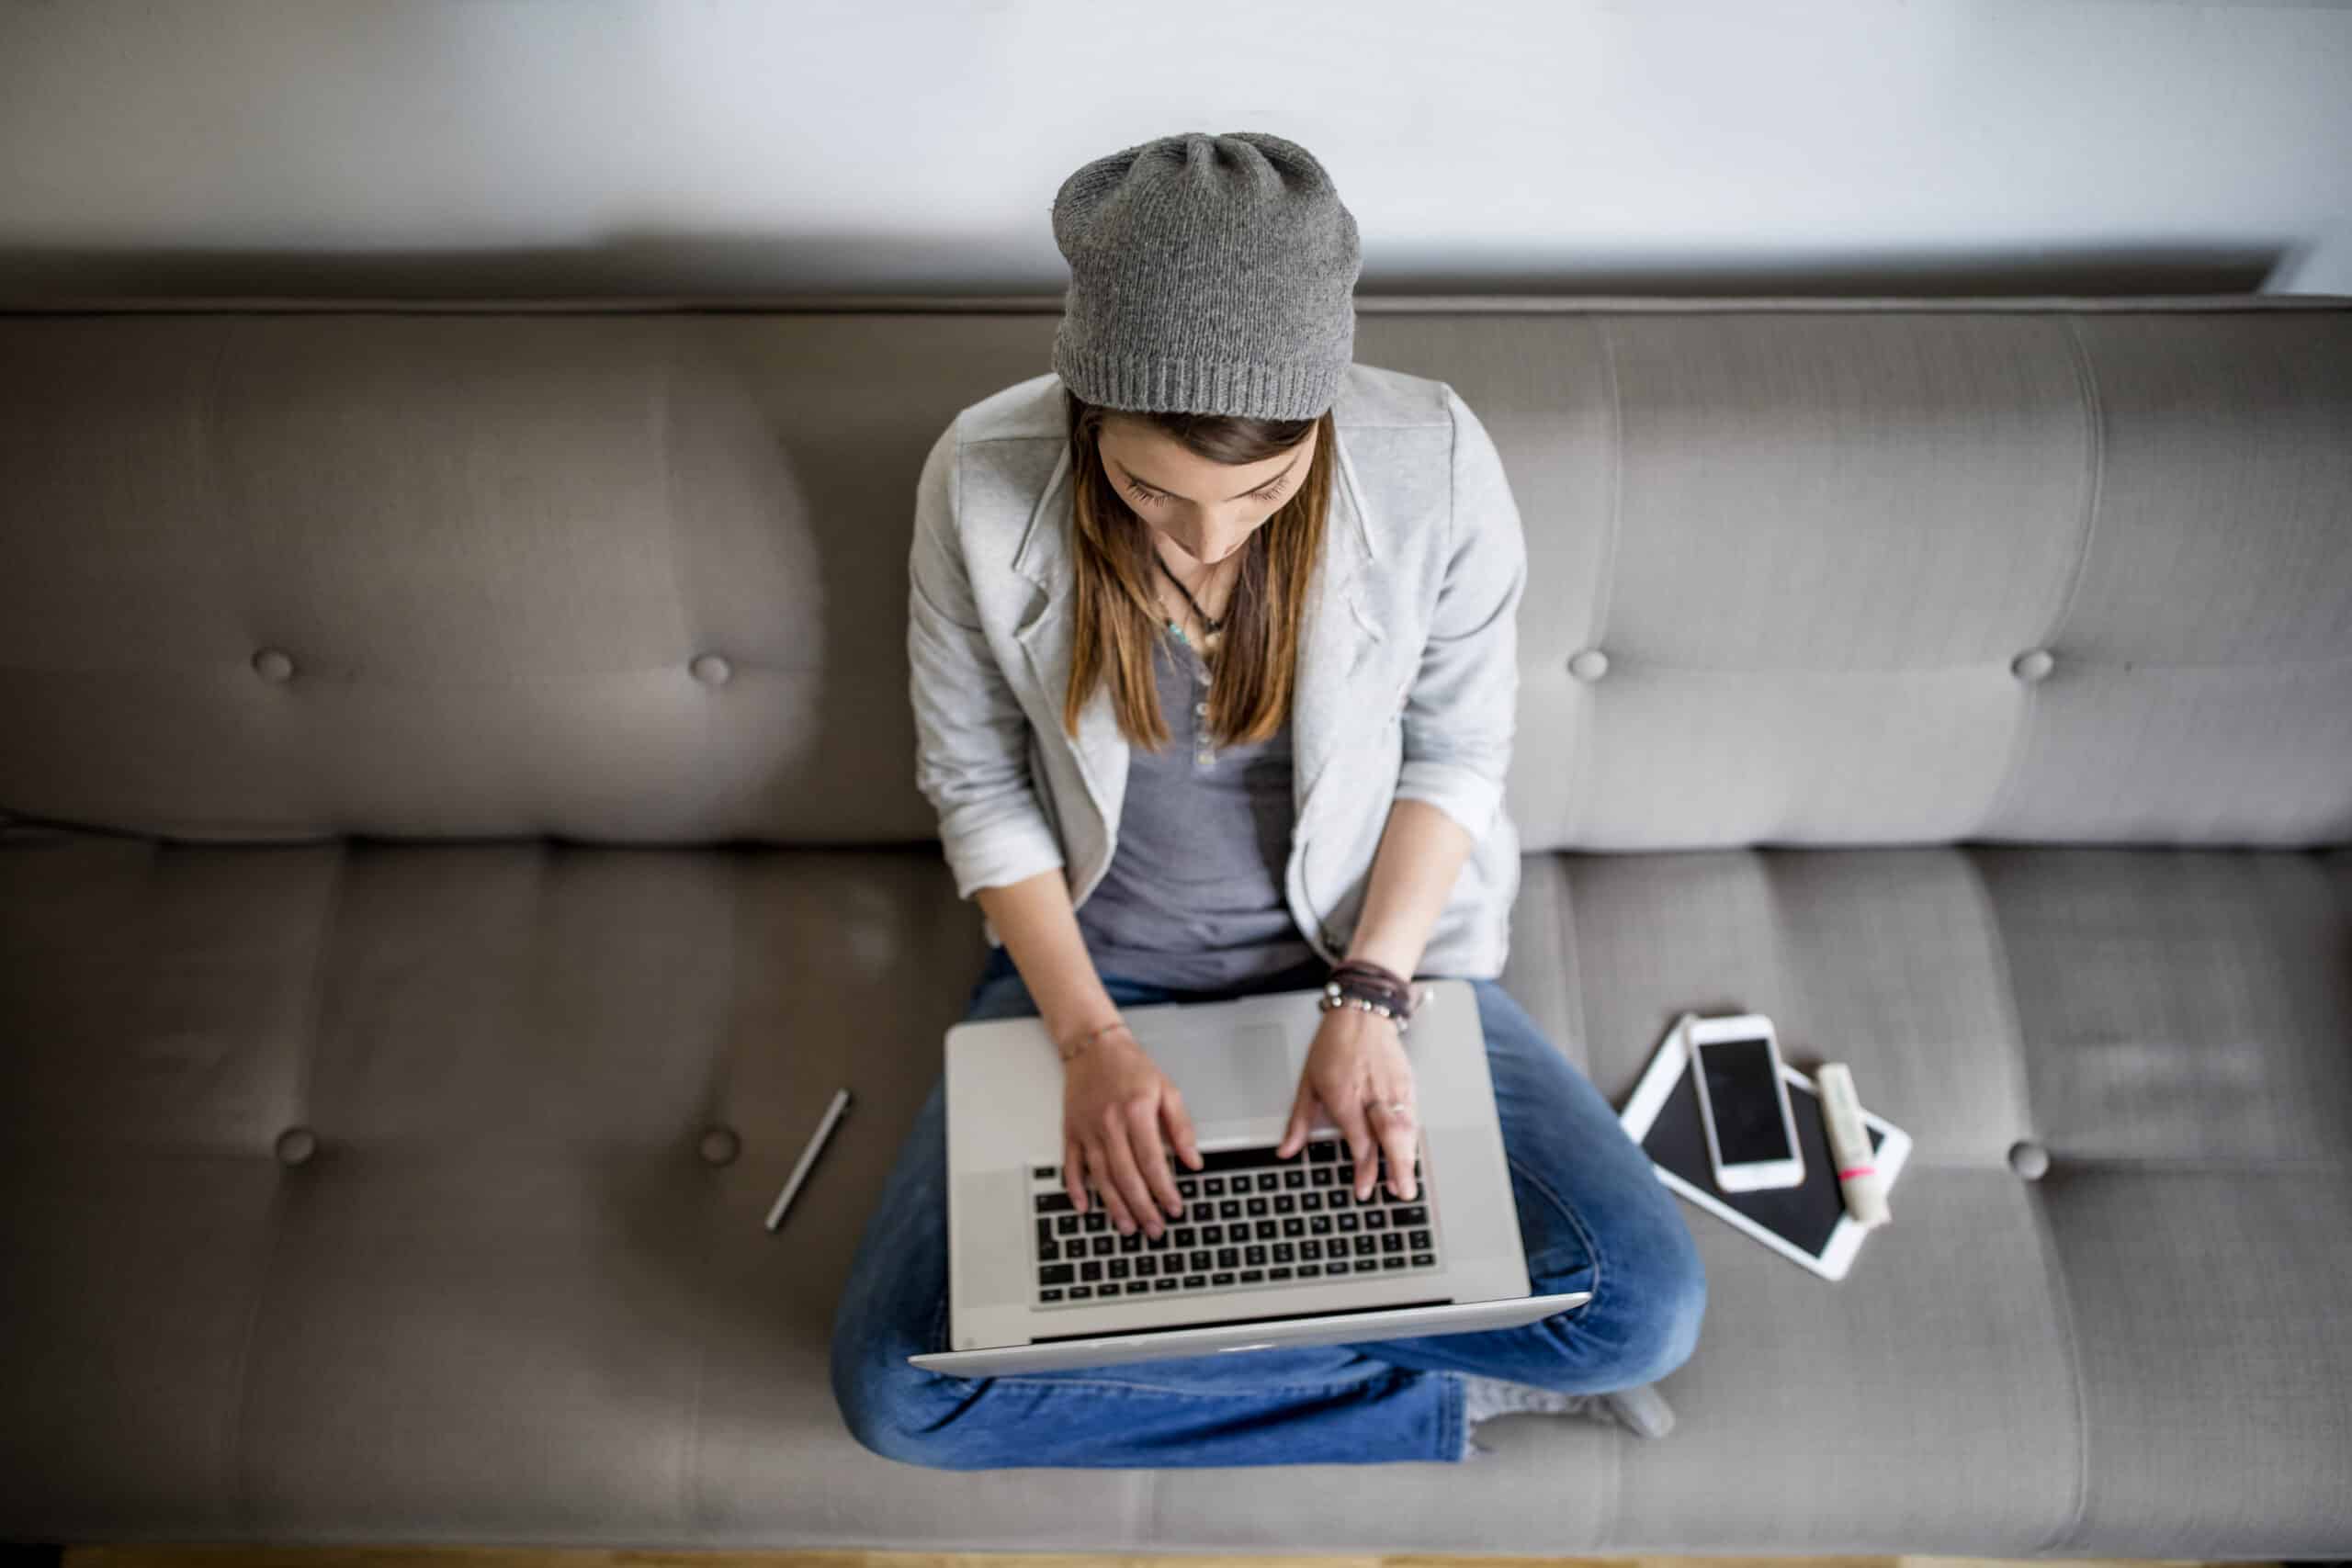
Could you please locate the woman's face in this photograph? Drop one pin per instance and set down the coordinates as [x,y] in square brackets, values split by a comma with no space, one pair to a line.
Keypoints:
[1207,510]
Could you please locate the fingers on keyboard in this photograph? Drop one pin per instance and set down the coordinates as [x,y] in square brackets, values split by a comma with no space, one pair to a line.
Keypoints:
[1248,1220]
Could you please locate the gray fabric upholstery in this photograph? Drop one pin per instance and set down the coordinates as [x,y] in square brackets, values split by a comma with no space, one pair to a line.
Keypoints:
[319,596]
[416,574]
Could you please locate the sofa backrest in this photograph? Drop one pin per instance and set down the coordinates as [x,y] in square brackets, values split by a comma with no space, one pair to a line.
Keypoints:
[1799,572]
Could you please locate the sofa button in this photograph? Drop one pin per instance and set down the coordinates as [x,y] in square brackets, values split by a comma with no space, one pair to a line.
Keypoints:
[711,670]
[720,1146]
[272,664]
[2031,665]
[2029,1159]
[1588,666]
[296,1144]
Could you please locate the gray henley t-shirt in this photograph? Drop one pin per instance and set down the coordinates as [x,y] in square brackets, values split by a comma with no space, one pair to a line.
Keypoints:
[1192,897]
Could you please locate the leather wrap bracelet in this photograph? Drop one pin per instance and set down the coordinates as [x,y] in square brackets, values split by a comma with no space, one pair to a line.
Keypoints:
[1373,987]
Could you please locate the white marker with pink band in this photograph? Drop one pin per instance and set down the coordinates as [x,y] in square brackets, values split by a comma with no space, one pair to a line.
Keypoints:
[1849,1145]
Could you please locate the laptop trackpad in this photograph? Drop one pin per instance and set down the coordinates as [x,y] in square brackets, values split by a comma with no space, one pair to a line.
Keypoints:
[1228,1073]
[997,1276]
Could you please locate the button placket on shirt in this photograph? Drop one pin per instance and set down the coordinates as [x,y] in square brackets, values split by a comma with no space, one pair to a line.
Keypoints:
[1203,754]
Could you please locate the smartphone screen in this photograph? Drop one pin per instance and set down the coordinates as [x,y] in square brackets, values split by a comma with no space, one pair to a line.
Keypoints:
[1744,1102]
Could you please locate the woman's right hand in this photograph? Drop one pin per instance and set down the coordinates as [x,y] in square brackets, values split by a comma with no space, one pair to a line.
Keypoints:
[1114,1099]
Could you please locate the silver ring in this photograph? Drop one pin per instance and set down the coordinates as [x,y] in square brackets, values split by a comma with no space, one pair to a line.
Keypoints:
[1397,1107]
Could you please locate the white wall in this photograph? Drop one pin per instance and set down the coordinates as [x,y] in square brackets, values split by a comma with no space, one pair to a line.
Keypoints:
[698,147]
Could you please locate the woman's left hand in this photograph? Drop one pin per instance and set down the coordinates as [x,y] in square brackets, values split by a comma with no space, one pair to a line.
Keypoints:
[1357,1068]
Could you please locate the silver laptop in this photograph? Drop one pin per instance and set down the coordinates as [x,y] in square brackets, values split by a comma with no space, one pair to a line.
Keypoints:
[1268,1252]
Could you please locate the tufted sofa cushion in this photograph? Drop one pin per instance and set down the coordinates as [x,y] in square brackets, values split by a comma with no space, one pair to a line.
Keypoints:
[357,1192]
[1805,575]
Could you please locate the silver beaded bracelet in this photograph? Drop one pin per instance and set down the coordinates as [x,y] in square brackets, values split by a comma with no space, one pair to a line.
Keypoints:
[1335,997]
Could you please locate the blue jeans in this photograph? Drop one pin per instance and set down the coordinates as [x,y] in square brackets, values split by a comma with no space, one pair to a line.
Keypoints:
[1591,1212]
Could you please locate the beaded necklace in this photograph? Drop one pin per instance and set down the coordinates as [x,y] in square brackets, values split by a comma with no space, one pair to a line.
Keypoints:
[1215,627]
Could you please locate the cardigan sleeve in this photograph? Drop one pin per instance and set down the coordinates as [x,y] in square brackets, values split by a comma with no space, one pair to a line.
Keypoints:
[1460,716]
[971,736]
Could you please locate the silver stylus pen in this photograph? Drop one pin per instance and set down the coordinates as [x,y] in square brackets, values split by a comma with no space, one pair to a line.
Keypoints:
[808,1157]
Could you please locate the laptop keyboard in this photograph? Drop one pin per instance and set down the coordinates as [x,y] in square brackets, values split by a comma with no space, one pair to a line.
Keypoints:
[1249,1221]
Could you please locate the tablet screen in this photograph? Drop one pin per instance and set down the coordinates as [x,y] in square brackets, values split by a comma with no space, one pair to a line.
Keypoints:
[1804,1216]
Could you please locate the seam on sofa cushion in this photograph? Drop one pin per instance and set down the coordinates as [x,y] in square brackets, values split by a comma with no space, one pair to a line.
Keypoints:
[2045,1243]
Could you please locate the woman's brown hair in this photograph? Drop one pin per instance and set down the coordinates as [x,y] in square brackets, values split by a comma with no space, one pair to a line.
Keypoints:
[1119,622]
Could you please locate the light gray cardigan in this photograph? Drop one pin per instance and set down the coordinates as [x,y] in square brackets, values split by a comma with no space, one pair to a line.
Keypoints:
[1408,678]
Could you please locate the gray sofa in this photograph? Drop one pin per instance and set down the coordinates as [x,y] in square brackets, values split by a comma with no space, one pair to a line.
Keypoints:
[462,831]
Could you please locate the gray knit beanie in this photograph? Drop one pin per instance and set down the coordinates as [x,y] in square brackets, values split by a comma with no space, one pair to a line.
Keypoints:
[1208,274]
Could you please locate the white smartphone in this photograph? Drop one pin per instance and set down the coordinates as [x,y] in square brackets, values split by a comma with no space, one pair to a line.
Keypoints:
[1743,1103]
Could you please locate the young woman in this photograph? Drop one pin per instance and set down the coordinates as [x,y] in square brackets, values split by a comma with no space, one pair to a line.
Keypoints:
[1208,526]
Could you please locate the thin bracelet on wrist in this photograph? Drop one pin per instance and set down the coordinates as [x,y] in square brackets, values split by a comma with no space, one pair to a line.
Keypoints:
[1089,1038]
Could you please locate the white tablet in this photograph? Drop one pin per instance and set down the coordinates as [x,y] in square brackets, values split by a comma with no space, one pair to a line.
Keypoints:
[1807,1224]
